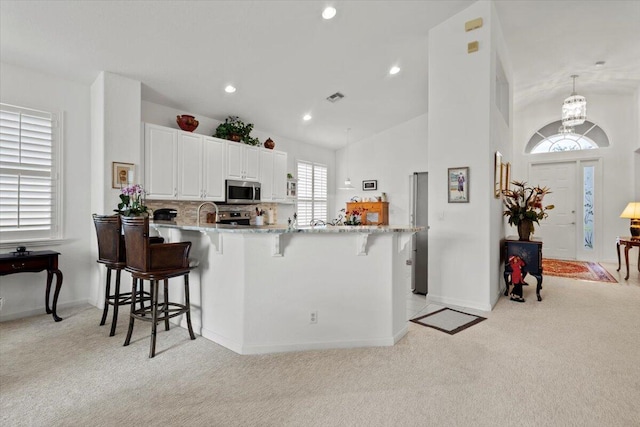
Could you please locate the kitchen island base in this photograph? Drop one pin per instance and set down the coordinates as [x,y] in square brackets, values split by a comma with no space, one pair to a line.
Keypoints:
[316,291]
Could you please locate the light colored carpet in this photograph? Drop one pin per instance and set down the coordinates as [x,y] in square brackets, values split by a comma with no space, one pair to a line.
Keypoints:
[571,360]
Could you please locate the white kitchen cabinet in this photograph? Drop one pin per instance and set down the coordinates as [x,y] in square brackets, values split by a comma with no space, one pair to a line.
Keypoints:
[182,165]
[242,161]
[190,148]
[266,175]
[273,175]
[200,167]
[279,176]
[160,162]
[213,184]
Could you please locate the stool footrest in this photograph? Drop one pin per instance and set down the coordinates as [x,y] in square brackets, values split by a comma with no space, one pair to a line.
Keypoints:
[172,309]
[125,298]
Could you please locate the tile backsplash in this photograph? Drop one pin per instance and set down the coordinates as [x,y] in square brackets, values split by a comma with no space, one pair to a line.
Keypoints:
[187,210]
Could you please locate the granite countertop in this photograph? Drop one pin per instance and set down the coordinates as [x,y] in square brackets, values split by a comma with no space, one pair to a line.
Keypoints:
[279,229]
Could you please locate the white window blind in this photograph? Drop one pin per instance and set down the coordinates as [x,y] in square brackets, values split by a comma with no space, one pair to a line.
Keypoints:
[312,192]
[29,147]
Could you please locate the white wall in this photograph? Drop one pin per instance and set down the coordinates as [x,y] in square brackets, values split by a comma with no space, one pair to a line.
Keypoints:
[636,155]
[390,157]
[465,129]
[24,293]
[296,150]
[115,137]
[617,115]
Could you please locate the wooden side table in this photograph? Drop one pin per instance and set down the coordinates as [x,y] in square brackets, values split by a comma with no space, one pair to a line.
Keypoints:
[531,254]
[34,262]
[376,213]
[628,243]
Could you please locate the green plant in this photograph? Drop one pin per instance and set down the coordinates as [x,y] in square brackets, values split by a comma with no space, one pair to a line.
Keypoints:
[236,130]
[525,204]
[131,201]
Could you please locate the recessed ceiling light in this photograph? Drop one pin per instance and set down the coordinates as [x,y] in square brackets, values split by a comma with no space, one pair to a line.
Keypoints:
[600,64]
[394,70]
[229,89]
[329,12]
[306,117]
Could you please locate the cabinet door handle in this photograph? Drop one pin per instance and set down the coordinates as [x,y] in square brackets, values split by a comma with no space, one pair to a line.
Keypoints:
[175,192]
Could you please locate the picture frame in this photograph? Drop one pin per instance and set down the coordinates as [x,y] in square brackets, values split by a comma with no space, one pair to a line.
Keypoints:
[507,177]
[370,185]
[122,174]
[497,175]
[458,185]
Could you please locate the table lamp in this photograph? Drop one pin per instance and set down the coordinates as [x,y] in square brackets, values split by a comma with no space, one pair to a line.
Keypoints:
[632,211]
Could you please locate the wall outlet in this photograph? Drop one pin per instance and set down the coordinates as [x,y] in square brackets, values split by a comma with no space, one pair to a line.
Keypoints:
[313,317]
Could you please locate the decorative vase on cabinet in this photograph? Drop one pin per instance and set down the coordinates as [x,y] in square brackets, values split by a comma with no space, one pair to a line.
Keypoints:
[269,144]
[187,123]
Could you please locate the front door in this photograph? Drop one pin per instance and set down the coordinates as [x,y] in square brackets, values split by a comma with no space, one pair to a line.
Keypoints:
[558,231]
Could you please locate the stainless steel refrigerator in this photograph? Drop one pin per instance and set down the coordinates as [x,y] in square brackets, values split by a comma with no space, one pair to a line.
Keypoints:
[420,218]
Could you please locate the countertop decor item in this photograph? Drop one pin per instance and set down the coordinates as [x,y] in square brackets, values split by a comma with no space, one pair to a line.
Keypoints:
[269,144]
[524,207]
[236,130]
[187,123]
[132,201]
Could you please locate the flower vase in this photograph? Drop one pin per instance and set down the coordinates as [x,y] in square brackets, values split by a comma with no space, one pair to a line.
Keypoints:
[525,228]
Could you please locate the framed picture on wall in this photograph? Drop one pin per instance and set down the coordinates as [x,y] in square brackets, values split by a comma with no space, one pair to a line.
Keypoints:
[507,177]
[122,174]
[458,185]
[497,175]
[371,184]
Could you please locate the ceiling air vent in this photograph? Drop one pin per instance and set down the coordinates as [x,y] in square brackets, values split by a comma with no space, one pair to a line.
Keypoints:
[335,97]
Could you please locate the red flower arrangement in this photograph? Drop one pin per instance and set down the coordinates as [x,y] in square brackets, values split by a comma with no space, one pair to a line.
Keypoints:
[354,216]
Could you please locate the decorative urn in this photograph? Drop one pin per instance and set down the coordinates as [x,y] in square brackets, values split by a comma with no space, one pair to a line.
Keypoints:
[187,123]
[269,144]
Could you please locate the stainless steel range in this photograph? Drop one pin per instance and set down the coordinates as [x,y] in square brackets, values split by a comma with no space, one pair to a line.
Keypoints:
[234,218]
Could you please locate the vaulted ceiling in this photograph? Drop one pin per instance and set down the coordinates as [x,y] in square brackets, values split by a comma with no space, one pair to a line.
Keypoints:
[285,59]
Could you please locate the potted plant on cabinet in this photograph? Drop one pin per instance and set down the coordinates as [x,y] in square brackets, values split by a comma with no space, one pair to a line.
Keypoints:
[524,207]
[236,130]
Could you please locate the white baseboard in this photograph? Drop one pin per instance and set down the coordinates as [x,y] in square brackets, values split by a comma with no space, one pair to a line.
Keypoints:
[41,310]
[458,304]
[281,348]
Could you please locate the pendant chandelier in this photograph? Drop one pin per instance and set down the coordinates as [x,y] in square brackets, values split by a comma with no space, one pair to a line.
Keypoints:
[574,108]
[565,130]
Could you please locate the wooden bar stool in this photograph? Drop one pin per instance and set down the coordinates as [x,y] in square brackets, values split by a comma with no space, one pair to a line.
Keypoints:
[111,253]
[155,263]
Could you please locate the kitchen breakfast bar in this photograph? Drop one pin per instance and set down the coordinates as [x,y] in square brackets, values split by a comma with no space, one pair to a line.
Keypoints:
[273,288]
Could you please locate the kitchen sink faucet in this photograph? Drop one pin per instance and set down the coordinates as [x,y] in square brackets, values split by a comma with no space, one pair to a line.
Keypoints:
[200,207]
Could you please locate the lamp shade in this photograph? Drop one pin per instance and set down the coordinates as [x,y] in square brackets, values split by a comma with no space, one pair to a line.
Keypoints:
[632,211]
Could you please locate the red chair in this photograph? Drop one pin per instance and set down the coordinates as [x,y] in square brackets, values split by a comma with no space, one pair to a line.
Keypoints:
[155,263]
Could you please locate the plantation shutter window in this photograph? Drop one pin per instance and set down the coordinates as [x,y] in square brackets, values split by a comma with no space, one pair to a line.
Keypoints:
[312,192]
[29,145]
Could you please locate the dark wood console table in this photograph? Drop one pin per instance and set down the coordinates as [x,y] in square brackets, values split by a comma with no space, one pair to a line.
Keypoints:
[531,254]
[627,242]
[34,262]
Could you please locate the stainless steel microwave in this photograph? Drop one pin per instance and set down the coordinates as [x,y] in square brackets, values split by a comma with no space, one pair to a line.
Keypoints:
[242,192]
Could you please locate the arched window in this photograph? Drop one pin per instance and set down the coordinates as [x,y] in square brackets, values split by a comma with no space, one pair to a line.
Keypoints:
[554,137]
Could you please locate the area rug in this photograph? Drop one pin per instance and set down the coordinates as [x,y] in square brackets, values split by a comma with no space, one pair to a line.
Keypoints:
[576,270]
[448,320]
